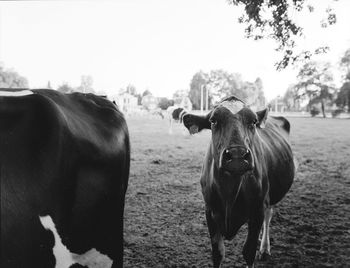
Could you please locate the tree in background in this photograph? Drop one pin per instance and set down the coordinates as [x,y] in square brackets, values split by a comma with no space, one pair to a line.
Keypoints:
[164,103]
[139,99]
[179,95]
[252,93]
[343,97]
[219,85]
[272,19]
[345,64]
[200,79]
[146,92]
[261,100]
[222,84]
[102,93]
[65,88]
[86,84]
[11,79]
[291,99]
[131,89]
[315,82]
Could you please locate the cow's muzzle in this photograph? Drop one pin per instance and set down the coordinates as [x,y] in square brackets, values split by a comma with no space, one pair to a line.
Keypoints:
[236,159]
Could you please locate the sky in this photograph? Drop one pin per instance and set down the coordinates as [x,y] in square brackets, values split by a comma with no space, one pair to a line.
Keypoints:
[156,45]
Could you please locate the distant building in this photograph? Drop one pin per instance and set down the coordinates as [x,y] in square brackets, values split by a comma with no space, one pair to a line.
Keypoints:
[126,102]
[149,102]
[277,105]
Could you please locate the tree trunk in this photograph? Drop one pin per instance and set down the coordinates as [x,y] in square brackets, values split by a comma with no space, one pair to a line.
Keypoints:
[322,107]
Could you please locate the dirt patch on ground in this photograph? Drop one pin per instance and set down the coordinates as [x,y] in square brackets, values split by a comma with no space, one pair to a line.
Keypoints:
[164,218]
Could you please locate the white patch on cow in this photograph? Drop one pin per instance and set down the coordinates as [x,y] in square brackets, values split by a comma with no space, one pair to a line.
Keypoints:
[15,93]
[93,259]
[65,258]
[233,106]
[182,115]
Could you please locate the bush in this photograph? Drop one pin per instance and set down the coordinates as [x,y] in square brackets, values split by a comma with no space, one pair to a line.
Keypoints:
[164,103]
[337,112]
[314,111]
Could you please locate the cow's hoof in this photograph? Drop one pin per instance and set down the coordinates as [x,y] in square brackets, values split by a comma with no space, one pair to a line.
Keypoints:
[264,256]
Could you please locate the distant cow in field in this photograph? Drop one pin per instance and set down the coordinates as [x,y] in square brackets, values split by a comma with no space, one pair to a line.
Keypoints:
[175,114]
[64,166]
[248,168]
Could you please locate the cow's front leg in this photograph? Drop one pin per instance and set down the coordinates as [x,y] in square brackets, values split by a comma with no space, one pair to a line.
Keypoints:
[250,245]
[265,241]
[217,241]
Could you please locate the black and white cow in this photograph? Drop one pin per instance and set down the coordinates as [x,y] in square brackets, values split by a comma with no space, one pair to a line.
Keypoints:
[175,114]
[64,167]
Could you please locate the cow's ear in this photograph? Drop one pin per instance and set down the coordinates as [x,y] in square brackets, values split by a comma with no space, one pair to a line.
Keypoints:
[196,123]
[262,116]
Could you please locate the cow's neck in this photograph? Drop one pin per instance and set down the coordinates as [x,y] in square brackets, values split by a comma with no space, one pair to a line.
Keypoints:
[229,216]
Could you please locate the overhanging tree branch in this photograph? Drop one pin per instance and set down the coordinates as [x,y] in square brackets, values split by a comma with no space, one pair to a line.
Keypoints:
[271,19]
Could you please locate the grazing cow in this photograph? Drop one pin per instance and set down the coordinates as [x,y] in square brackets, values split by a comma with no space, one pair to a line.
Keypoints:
[64,168]
[248,168]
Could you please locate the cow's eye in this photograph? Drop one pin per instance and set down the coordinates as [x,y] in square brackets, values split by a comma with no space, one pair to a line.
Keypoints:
[253,124]
[213,121]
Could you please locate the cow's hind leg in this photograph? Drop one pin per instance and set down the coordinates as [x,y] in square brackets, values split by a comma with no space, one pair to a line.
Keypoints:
[265,240]
[217,241]
[109,231]
[119,240]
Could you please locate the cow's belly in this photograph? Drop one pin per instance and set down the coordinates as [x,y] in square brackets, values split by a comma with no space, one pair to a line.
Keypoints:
[280,182]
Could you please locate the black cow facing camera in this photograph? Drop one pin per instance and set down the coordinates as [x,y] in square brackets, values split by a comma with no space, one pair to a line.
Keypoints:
[248,169]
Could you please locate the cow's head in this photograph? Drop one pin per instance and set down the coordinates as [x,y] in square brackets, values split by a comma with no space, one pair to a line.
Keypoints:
[233,126]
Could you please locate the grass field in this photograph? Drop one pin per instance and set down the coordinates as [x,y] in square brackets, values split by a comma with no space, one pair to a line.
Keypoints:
[164,218]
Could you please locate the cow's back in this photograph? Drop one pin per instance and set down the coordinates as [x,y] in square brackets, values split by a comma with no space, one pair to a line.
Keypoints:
[66,156]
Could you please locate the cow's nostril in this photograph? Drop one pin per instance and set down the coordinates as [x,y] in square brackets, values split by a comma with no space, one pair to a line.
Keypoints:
[246,155]
[227,155]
